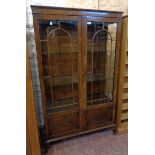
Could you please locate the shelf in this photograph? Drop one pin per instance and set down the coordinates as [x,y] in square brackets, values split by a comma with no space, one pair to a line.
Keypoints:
[58,52]
[103,51]
[125,101]
[126,68]
[98,99]
[44,40]
[62,109]
[113,40]
[124,116]
[124,125]
[58,103]
[126,79]
[62,80]
[125,90]
[126,62]
[126,85]
[98,76]
[126,74]
[61,105]
[124,106]
[125,96]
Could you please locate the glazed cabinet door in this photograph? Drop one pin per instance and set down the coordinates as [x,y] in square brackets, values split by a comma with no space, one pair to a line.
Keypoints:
[59,46]
[100,48]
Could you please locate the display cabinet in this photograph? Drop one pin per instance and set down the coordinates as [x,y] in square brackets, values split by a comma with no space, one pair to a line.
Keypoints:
[78,57]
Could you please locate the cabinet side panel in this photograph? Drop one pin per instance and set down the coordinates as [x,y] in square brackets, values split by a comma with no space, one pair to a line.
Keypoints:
[39,58]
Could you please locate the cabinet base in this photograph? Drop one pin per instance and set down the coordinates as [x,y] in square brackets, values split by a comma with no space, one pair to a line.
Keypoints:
[111,126]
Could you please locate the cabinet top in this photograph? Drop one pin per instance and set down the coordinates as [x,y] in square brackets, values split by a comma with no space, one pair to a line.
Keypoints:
[36,9]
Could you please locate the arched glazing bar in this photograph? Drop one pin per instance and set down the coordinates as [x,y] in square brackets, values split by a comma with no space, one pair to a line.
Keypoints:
[92,61]
[48,38]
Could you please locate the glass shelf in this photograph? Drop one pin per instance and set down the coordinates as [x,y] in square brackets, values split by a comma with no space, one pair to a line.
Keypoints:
[55,41]
[98,77]
[102,51]
[63,102]
[62,80]
[62,105]
[98,99]
[103,39]
[59,52]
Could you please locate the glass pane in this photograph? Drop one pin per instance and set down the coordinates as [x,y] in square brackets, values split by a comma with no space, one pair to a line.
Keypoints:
[46,26]
[47,84]
[101,41]
[59,46]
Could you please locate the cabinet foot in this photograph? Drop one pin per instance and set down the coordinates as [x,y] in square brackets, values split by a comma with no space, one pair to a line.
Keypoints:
[44,146]
[114,131]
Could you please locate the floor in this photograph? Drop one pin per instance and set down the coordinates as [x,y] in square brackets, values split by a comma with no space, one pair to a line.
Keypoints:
[100,143]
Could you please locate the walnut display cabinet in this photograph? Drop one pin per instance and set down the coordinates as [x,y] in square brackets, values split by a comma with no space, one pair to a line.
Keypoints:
[78,55]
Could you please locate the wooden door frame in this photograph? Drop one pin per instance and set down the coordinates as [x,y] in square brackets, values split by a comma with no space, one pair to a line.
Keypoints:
[37,17]
[85,19]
